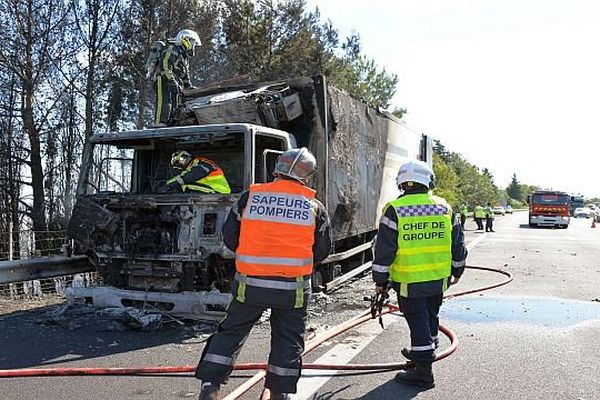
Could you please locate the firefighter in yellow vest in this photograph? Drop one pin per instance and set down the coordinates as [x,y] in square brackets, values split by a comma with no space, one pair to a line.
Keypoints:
[278,231]
[479,215]
[420,251]
[489,218]
[197,174]
[173,74]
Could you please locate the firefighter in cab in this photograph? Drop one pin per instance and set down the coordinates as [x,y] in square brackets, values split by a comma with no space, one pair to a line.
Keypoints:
[197,174]
[420,252]
[278,231]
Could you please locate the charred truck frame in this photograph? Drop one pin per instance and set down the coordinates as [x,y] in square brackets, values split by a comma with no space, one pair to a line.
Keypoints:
[139,239]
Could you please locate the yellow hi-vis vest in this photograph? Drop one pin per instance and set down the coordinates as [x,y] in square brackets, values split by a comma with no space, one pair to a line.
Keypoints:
[479,212]
[215,182]
[424,239]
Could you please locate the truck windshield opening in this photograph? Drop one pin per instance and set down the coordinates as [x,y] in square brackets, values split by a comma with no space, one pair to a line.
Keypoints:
[550,199]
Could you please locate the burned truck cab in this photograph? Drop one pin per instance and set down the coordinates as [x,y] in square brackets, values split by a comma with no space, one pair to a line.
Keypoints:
[139,237]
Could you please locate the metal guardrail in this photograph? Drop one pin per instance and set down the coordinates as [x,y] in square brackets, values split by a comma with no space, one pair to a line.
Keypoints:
[43,268]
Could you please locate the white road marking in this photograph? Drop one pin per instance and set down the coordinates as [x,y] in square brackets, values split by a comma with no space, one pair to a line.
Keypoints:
[342,353]
[475,242]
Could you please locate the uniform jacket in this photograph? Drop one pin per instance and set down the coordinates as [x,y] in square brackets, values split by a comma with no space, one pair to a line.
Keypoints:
[274,297]
[387,246]
[198,169]
[174,65]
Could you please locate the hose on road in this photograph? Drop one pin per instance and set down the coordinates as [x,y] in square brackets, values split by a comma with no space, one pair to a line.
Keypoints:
[310,345]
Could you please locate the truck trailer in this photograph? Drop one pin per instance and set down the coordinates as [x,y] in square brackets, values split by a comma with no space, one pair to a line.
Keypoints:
[141,240]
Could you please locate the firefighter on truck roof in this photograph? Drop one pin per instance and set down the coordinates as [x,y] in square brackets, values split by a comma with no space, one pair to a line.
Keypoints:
[420,251]
[278,231]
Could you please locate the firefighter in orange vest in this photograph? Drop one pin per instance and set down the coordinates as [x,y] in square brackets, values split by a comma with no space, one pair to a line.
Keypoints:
[197,174]
[278,231]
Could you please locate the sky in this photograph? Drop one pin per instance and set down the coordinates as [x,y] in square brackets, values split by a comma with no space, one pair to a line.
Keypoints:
[512,85]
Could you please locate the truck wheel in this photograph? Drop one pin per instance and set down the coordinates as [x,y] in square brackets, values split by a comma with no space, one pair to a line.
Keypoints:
[532,225]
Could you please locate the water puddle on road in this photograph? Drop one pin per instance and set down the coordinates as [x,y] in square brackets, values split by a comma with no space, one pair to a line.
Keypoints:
[532,311]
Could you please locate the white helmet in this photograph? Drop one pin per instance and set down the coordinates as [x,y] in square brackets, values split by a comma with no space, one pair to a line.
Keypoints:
[188,39]
[298,164]
[416,171]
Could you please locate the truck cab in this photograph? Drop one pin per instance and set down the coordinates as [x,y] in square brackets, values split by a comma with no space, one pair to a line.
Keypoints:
[139,238]
[549,208]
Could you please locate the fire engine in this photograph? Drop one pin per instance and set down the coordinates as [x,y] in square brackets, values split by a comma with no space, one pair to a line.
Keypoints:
[549,208]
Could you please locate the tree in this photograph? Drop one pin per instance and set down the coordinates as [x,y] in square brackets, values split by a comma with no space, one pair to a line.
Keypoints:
[513,190]
[399,112]
[446,181]
[31,37]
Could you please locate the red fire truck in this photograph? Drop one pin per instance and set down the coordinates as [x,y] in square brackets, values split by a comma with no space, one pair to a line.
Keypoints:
[549,208]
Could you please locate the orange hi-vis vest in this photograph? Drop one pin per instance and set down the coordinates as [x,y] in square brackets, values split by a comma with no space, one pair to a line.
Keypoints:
[277,231]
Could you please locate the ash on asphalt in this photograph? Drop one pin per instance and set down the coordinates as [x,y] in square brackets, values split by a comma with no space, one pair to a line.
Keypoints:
[538,311]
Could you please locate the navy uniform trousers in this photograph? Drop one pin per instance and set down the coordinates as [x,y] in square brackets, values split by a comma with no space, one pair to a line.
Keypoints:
[421,314]
[287,344]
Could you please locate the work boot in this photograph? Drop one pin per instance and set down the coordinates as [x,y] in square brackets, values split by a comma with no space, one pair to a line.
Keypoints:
[210,391]
[409,355]
[421,375]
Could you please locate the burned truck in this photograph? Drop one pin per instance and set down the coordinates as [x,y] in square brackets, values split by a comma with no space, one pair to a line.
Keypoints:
[139,239]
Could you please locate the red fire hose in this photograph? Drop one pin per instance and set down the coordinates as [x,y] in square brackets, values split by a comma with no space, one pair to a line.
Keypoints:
[310,345]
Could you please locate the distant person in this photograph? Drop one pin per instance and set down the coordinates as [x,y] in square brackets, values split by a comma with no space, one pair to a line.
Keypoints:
[278,231]
[489,218]
[479,215]
[463,215]
[419,252]
[171,74]
[197,174]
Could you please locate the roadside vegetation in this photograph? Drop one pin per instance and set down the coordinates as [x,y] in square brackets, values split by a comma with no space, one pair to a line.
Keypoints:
[74,67]
[461,182]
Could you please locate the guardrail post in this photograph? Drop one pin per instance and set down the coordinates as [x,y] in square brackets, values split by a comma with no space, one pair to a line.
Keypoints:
[10,240]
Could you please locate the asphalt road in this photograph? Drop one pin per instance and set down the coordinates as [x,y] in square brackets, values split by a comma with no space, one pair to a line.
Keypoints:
[536,338]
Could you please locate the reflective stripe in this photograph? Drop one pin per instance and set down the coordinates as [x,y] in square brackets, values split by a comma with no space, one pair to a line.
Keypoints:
[180,180]
[434,338]
[458,264]
[389,223]
[403,289]
[159,99]
[241,292]
[165,63]
[198,188]
[218,359]
[271,284]
[299,302]
[283,371]
[423,348]
[292,262]
[421,250]
[380,268]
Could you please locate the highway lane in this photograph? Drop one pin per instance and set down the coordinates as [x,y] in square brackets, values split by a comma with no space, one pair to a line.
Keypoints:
[536,338]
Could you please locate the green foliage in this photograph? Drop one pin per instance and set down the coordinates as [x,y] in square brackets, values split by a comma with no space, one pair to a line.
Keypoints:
[514,189]
[471,186]
[399,112]
[360,77]
[446,181]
